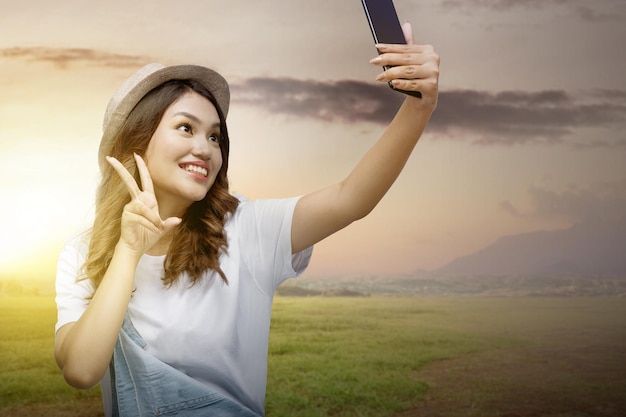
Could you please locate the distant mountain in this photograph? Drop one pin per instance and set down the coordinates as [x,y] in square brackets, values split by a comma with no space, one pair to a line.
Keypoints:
[587,259]
[588,249]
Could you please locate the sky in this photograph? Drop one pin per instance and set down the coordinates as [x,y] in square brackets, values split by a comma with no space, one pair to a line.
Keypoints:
[529,133]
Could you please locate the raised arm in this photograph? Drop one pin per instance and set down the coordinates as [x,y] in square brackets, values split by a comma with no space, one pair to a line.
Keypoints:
[322,213]
[83,349]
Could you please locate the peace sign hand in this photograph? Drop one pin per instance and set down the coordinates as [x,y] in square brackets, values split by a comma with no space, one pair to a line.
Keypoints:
[142,226]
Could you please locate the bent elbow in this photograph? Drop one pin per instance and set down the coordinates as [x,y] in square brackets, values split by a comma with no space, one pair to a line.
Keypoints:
[362,212]
[81,378]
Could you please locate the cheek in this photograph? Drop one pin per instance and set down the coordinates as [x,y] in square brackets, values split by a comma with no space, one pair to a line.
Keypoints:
[218,163]
[151,155]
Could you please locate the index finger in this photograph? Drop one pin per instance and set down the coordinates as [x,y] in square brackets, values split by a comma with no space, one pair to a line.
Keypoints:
[128,179]
[403,48]
[144,174]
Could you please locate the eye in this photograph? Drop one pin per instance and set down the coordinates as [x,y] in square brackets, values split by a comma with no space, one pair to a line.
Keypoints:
[214,137]
[184,127]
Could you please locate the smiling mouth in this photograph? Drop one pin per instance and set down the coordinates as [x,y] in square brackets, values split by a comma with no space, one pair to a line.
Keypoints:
[196,170]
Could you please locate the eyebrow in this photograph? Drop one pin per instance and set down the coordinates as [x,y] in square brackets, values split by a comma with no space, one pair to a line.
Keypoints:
[195,119]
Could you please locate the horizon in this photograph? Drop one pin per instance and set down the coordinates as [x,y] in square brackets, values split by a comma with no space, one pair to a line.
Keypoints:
[439,272]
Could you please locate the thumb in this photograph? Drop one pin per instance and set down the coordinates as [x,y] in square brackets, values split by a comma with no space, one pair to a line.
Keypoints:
[171,222]
[408,32]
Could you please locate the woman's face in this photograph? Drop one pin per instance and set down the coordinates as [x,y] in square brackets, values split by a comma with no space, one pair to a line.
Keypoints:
[184,155]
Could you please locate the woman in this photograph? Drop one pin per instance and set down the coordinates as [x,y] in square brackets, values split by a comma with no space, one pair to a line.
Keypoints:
[167,301]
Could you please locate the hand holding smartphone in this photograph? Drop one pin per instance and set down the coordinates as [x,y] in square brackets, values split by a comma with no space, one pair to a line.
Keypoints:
[385,26]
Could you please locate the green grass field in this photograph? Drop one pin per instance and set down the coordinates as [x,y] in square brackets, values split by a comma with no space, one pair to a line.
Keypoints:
[328,356]
[28,372]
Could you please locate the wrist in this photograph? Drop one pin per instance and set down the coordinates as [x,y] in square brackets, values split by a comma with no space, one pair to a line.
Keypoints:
[123,251]
[424,105]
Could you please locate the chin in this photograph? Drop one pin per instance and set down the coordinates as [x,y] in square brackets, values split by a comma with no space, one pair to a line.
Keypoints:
[193,194]
[201,196]
[192,197]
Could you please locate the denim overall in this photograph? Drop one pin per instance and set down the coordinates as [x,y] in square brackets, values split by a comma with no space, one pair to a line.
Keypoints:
[144,386]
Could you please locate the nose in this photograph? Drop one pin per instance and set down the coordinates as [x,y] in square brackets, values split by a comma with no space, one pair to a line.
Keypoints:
[201,149]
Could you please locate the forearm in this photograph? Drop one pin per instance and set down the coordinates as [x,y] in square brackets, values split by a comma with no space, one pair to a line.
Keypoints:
[375,173]
[322,213]
[84,349]
[409,67]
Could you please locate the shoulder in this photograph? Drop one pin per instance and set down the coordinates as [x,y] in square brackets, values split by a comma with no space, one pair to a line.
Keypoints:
[265,206]
[75,248]
[72,291]
[262,221]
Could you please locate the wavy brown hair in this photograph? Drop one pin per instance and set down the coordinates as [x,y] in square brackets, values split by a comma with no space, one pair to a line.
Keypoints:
[200,238]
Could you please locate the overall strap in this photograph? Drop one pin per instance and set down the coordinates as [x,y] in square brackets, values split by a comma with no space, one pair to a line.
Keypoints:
[144,386]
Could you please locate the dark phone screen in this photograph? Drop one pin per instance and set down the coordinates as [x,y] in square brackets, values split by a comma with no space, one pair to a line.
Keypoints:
[383,21]
[385,26]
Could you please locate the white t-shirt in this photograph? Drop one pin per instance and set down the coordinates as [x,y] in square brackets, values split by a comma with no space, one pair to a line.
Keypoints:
[216,333]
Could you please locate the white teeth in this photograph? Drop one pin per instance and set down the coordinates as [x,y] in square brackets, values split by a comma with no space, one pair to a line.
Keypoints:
[195,168]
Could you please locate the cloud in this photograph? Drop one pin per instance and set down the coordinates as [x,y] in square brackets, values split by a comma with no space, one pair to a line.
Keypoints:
[508,117]
[605,201]
[498,4]
[512,117]
[591,14]
[484,118]
[64,57]
[346,100]
[602,10]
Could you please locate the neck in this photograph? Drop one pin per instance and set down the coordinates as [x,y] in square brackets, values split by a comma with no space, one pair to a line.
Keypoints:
[169,210]
[171,206]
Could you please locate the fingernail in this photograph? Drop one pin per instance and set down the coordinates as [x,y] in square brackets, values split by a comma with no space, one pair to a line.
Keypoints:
[380,77]
[375,60]
[380,46]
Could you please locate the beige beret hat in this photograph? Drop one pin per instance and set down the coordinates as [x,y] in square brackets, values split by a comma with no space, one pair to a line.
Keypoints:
[145,80]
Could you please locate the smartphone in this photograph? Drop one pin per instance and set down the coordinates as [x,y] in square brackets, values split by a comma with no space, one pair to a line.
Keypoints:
[385,26]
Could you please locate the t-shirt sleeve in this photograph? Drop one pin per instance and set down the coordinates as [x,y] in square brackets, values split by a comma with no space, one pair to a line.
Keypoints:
[72,293]
[266,234]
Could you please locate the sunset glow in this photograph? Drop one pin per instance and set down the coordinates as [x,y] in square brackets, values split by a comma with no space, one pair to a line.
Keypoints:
[529,133]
